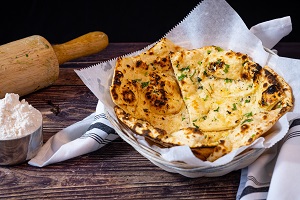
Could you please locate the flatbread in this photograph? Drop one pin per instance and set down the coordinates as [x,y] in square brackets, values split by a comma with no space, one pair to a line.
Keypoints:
[211,99]
[229,97]
[144,87]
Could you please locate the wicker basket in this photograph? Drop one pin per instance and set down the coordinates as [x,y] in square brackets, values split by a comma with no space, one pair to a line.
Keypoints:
[242,160]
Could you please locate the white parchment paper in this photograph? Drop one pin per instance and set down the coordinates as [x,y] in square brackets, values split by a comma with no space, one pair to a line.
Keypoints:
[214,22]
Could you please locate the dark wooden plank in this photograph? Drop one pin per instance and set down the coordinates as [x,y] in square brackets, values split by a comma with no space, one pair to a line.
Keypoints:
[62,105]
[110,172]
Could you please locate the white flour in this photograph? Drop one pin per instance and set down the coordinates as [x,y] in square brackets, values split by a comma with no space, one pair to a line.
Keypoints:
[17,118]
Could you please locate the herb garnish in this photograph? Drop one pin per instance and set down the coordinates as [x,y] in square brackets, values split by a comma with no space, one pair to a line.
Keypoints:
[226,68]
[195,125]
[247,120]
[227,80]
[217,109]
[234,106]
[145,84]
[181,77]
[219,49]
[185,68]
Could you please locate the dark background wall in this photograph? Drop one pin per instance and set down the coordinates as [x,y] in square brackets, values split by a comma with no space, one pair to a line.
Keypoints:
[123,21]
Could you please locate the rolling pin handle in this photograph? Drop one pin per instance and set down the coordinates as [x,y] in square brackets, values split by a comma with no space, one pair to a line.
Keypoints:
[84,45]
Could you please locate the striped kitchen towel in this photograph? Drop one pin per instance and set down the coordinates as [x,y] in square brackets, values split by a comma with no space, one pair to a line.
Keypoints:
[80,138]
[276,173]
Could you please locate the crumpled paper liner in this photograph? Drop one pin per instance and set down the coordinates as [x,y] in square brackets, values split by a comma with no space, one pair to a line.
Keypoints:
[214,22]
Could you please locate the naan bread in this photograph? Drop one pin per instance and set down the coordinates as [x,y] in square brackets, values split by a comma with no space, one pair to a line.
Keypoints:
[212,100]
[229,97]
[144,87]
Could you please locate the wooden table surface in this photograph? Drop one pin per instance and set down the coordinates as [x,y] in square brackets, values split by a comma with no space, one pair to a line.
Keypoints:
[115,171]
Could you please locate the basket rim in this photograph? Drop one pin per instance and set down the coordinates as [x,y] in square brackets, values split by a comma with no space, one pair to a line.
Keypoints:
[128,136]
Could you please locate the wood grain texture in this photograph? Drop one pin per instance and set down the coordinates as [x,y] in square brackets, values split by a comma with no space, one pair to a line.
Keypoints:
[116,171]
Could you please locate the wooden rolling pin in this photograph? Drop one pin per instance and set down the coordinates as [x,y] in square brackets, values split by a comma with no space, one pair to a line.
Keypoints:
[32,63]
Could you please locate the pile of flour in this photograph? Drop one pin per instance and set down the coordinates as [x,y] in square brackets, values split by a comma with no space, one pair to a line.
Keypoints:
[17,118]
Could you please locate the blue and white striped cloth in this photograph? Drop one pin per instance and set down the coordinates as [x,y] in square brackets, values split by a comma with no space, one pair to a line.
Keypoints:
[276,173]
[80,138]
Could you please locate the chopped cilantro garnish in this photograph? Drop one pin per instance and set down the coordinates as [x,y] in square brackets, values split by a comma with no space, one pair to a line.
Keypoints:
[219,49]
[191,76]
[234,107]
[185,68]
[145,84]
[247,120]
[195,125]
[279,105]
[248,114]
[181,77]
[217,109]
[226,68]
[227,80]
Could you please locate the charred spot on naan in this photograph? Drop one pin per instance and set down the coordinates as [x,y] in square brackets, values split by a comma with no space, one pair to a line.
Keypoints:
[276,92]
[162,94]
